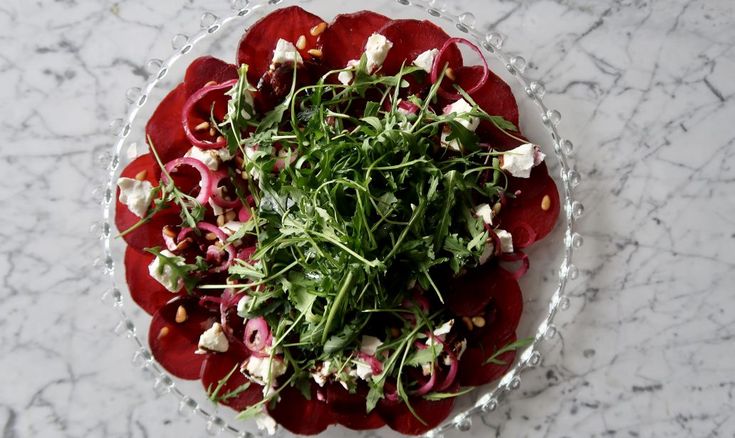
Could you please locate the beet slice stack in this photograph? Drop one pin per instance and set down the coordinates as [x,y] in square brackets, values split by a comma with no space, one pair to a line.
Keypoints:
[397,415]
[410,38]
[299,415]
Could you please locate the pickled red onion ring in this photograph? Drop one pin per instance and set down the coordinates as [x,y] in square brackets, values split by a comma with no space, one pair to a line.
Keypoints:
[205,184]
[189,107]
[437,66]
[223,238]
[257,334]
[217,198]
[518,256]
[451,374]
[428,386]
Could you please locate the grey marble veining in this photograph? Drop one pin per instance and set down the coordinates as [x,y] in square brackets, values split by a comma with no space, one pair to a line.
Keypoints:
[647,91]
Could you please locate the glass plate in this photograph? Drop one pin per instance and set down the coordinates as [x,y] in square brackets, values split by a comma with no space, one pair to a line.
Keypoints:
[551,259]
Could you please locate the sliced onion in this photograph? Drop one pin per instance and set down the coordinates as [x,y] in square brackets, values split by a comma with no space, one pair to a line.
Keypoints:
[246,254]
[437,66]
[217,198]
[223,238]
[257,335]
[518,256]
[451,374]
[429,385]
[205,184]
[189,108]
[408,107]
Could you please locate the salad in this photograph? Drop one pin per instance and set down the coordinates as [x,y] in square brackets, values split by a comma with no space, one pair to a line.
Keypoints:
[334,225]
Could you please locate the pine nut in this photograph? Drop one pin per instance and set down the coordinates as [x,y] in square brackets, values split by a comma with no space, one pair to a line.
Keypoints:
[164,331]
[211,236]
[181,315]
[210,83]
[140,176]
[450,74]
[220,221]
[212,132]
[545,203]
[301,42]
[202,126]
[318,29]
[317,53]
[478,321]
[169,231]
[467,322]
[230,216]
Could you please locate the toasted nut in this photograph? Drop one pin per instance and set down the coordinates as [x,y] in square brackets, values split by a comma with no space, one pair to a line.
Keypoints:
[450,74]
[169,231]
[164,331]
[220,221]
[545,203]
[467,322]
[230,216]
[478,321]
[210,236]
[496,208]
[183,244]
[140,176]
[219,139]
[315,52]
[212,132]
[301,42]
[181,315]
[210,83]
[202,126]
[318,29]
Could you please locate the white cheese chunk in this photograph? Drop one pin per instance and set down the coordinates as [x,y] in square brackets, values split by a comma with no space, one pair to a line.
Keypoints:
[461,109]
[213,339]
[345,77]
[444,328]
[242,305]
[363,370]
[485,212]
[376,50]
[286,52]
[231,227]
[209,157]
[163,273]
[263,369]
[425,60]
[521,160]
[265,422]
[135,194]
[370,345]
[322,373]
[224,154]
[506,240]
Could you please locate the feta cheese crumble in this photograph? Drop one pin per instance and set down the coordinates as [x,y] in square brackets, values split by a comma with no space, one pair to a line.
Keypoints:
[265,369]
[345,77]
[242,304]
[425,60]
[521,160]
[461,110]
[213,339]
[485,212]
[364,371]
[322,373]
[265,422]
[136,195]
[163,273]
[286,52]
[370,345]
[376,50]
[506,240]
[210,157]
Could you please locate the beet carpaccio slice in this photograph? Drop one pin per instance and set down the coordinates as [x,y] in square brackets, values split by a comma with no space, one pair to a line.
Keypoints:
[536,205]
[487,284]
[164,129]
[299,415]
[148,293]
[473,369]
[411,38]
[174,344]
[207,69]
[256,46]
[216,367]
[349,409]
[147,235]
[399,418]
[345,38]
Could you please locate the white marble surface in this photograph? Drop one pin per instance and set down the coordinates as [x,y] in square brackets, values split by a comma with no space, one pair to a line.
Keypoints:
[647,92]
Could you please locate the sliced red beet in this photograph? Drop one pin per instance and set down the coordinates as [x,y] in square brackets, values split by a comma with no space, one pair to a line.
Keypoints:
[149,294]
[164,129]
[411,38]
[470,294]
[299,415]
[344,39]
[399,418]
[535,207]
[256,46]
[473,371]
[216,367]
[206,69]
[349,409]
[149,234]
[174,344]
[496,98]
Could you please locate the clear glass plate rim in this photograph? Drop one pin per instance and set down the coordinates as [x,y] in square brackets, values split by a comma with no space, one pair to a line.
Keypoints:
[491,43]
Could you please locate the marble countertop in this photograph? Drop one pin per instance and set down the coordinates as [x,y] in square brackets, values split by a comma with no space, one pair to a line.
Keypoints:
[647,93]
